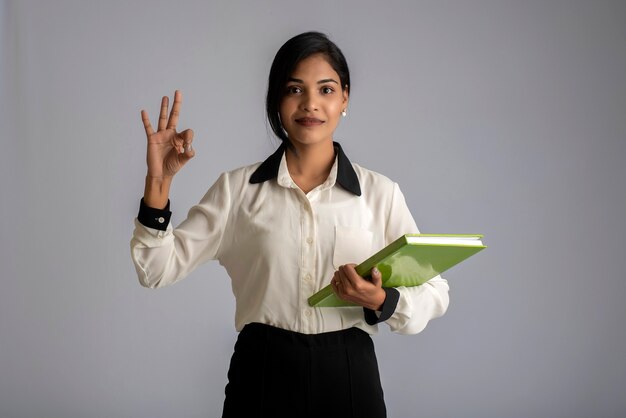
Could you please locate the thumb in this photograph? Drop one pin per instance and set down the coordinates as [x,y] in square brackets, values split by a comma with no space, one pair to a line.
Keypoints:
[188,151]
[377,277]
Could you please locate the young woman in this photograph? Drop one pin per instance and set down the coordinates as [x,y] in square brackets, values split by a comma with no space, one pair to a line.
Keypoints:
[284,228]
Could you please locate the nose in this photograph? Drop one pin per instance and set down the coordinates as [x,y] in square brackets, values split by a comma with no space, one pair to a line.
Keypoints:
[309,102]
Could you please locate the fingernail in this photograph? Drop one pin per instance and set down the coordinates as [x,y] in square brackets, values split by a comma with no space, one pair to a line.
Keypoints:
[375,271]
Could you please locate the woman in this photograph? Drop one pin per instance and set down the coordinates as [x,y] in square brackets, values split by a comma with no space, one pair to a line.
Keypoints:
[283,229]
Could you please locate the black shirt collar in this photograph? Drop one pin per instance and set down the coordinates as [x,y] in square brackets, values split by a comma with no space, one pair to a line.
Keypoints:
[346,176]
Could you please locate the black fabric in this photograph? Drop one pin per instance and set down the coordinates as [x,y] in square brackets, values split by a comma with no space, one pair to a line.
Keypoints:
[346,176]
[276,373]
[154,218]
[389,307]
[268,168]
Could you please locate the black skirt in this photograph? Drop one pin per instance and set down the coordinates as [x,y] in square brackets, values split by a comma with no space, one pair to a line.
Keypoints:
[278,373]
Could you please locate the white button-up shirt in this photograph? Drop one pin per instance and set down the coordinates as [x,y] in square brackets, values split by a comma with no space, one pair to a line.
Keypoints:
[280,245]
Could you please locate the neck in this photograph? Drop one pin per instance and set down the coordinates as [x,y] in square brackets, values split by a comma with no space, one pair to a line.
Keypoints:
[311,161]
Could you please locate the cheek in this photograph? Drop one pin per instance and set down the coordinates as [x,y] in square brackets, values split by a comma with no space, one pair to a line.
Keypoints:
[337,107]
[335,111]
[284,110]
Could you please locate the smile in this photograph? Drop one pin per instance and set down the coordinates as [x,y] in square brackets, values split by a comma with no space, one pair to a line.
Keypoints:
[309,121]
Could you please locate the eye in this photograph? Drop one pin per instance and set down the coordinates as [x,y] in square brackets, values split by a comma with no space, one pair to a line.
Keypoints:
[294,90]
[327,90]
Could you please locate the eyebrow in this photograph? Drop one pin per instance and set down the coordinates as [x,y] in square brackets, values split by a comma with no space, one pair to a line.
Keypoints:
[326,80]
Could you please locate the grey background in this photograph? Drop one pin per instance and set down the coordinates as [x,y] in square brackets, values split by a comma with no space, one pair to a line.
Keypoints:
[505,118]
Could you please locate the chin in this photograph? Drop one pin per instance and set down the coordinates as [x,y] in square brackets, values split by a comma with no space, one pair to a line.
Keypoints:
[309,141]
[310,137]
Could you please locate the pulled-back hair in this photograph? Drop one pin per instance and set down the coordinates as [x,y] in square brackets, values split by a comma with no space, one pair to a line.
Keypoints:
[287,58]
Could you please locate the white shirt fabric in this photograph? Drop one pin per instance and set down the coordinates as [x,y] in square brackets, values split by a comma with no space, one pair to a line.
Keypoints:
[280,245]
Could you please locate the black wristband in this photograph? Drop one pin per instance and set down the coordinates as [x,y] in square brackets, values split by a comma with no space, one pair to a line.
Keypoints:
[388,308]
[154,218]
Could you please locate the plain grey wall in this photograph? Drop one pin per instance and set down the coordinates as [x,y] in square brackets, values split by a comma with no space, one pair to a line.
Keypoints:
[500,117]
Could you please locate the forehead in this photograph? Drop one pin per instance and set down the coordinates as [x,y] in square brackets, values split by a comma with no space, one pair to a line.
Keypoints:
[316,67]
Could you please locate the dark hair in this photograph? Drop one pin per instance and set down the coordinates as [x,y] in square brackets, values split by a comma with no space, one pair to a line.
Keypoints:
[287,58]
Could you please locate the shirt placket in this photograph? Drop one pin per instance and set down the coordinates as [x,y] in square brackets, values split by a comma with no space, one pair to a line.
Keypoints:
[307,266]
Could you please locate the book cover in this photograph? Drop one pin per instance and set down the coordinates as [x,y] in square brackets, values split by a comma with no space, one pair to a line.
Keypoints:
[411,260]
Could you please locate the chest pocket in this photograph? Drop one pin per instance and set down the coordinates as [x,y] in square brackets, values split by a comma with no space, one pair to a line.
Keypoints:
[352,245]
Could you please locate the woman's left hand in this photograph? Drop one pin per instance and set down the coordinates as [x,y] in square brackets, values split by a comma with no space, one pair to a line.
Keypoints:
[348,285]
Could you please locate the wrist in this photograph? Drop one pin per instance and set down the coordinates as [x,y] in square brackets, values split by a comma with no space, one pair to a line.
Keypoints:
[379,300]
[158,179]
[388,308]
[156,191]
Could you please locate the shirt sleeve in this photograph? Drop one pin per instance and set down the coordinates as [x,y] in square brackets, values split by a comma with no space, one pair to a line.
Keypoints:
[416,304]
[373,317]
[163,255]
[153,217]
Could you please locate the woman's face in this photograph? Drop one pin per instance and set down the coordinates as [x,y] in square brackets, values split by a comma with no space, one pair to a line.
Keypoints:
[311,107]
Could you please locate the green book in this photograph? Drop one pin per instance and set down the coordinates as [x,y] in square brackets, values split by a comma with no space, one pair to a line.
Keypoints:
[410,260]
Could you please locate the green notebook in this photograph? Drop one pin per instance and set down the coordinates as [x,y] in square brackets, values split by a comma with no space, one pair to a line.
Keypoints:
[410,260]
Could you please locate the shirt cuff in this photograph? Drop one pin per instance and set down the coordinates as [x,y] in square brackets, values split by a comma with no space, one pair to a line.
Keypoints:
[388,308]
[154,218]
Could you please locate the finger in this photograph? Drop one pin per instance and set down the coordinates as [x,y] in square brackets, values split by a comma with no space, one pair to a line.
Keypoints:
[146,123]
[337,279]
[181,141]
[341,276]
[336,285]
[185,156]
[349,275]
[178,100]
[187,137]
[377,277]
[165,101]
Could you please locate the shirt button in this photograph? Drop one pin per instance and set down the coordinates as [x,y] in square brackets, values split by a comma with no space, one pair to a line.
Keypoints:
[307,277]
[307,313]
[309,240]
[161,220]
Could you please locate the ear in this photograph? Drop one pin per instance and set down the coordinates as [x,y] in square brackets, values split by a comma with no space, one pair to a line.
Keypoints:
[346,94]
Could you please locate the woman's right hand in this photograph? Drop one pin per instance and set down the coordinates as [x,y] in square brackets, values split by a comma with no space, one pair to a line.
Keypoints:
[168,150]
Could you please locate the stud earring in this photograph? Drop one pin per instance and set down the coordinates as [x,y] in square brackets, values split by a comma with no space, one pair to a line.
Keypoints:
[344,113]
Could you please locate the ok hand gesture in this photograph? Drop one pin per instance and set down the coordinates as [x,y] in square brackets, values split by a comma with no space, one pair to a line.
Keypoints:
[168,150]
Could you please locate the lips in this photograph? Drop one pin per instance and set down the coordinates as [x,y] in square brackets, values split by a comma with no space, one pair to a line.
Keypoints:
[309,121]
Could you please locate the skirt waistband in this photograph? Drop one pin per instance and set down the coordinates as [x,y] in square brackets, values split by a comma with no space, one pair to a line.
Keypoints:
[257,332]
